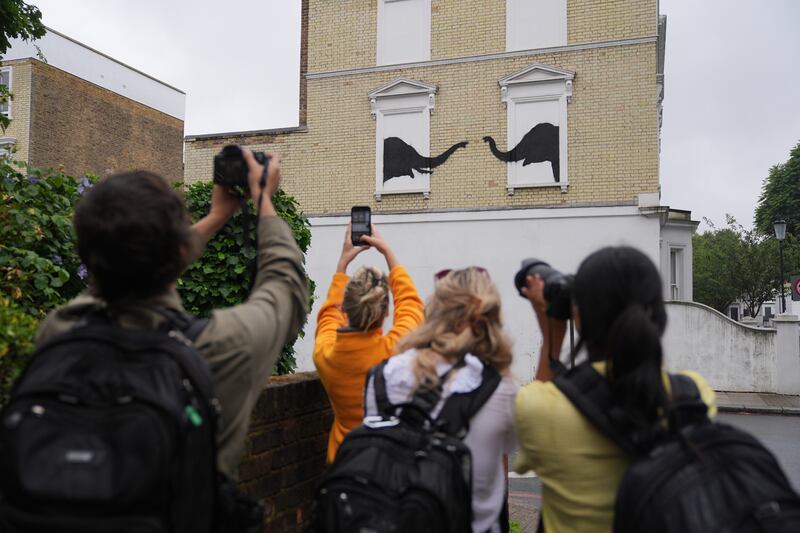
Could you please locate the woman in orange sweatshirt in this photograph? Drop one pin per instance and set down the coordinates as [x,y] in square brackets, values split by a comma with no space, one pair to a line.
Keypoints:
[349,338]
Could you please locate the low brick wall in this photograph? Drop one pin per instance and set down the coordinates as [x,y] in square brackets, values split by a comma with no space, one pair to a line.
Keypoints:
[285,453]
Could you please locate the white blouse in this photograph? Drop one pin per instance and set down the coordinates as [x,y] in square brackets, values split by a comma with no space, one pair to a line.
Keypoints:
[491,431]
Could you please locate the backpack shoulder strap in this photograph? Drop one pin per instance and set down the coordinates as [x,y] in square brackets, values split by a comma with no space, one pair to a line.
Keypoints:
[687,405]
[590,394]
[460,408]
[379,384]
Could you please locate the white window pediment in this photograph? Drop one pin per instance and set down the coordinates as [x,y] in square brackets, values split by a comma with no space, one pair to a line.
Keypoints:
[538,78]
[403,92]
[536,99]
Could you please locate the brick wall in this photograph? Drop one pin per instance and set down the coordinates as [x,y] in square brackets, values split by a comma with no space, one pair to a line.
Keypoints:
[612,129]
[343,34]
[20,106]
[286,447]
[89,129]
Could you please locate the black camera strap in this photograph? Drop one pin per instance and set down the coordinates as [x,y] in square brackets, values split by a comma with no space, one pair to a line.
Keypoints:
[251,240]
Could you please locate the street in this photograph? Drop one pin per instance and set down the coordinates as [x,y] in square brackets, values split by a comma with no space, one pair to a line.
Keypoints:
[781,434]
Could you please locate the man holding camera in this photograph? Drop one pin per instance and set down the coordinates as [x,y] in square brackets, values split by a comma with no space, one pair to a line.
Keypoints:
[135,238]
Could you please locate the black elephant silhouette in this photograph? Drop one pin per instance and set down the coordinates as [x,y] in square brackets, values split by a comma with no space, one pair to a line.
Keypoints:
[538,145]
[401,159]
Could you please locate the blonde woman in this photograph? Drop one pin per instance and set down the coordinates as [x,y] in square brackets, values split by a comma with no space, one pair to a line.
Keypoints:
[349,338]
[462,333]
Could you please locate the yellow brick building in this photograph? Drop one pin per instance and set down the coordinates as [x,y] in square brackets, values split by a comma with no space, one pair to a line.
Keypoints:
[439,72]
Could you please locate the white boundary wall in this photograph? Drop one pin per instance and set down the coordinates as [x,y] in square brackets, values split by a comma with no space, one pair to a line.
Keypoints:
[729,355]
[496,240]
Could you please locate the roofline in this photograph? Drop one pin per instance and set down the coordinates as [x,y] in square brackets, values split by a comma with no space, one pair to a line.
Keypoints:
[146,75]
[247,133]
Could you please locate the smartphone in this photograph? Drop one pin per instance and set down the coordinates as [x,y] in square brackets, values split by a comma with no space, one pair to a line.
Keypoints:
[361,222]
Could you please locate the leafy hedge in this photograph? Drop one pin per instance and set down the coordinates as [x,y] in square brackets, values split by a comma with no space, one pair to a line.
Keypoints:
[40,268]
[221,278]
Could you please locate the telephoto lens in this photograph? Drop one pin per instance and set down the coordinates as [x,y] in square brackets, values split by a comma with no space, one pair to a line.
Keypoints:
[557,286]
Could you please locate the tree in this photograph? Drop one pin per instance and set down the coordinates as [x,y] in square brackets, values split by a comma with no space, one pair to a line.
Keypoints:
[18,19]
[733,263]
[780,196]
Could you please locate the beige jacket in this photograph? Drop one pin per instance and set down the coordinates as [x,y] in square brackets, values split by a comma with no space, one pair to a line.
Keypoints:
[240,343]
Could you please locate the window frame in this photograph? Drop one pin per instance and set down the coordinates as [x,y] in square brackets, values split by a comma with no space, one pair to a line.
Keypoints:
[538,83]
[7,113]
[513,17]
[381,52]
[676,273]
[400,96]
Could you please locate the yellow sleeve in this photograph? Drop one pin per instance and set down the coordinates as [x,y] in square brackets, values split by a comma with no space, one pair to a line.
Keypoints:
[530,403]
[330,317]
[706,392]
[409,310]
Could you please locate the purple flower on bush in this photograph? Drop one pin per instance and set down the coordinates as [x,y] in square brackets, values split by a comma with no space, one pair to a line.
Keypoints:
[84,184]
[33,180]
[57,259]
[82,272]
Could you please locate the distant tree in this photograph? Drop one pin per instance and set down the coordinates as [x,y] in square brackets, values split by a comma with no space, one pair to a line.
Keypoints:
[733,263]
[780,196]
[18,19]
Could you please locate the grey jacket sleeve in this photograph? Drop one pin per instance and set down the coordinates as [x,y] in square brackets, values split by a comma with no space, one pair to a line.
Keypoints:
[242,343]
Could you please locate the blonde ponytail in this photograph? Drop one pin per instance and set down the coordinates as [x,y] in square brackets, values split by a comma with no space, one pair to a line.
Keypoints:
[366,298]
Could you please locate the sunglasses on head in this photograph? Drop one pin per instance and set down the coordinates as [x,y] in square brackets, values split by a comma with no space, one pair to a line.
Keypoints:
[442,273]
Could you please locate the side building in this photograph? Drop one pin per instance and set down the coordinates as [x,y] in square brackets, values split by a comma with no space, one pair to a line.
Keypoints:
[480,132]
[77,108]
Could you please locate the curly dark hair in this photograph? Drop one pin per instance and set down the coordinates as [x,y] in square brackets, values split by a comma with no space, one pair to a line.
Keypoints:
[134,235]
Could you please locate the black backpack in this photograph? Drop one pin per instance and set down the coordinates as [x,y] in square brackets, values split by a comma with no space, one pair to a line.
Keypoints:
[113,429]
[704,476]
[403,472]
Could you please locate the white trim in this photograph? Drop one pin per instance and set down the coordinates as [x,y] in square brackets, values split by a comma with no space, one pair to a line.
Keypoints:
[402,87]
[503,214]
[481,57]
[10,86]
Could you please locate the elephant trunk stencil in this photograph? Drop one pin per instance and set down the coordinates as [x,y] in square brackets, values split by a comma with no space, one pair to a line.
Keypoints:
[401,159]
[540,144]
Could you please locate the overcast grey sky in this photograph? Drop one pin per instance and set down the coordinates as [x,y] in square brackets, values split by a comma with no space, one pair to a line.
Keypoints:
[732,106]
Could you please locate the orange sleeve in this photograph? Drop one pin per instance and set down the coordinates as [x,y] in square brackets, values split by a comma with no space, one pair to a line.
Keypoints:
[409,310]
[330,317]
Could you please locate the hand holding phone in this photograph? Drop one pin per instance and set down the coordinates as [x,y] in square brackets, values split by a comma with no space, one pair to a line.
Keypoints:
[360,224]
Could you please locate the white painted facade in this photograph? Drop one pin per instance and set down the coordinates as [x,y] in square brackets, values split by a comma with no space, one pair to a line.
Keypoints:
[88,64]
[496,240]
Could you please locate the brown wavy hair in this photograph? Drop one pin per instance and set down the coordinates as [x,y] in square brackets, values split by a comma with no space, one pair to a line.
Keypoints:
[366,298]
[463,316]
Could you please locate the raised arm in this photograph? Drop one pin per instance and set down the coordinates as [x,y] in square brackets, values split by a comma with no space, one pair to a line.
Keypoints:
[409,309]
[553,330]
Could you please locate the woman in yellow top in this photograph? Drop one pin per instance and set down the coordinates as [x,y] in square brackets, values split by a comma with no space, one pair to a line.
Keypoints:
[349,337]
[619,311]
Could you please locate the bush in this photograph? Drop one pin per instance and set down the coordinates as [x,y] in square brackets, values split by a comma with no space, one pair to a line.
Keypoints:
[221,277]
[39,266]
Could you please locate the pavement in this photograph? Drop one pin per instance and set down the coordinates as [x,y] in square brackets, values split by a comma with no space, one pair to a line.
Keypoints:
[758,403]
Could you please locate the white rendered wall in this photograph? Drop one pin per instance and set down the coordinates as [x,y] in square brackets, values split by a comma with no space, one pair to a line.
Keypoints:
[729,355]
[92,66]
[535,24]
[495,240]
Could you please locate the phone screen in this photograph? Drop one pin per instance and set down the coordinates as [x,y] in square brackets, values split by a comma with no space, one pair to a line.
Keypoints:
[360,219]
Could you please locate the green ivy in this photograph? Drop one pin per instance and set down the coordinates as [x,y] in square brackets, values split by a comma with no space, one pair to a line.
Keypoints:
[221,278]
[39,266]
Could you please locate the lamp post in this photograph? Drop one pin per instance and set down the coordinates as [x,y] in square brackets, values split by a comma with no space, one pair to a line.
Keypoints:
[780,234]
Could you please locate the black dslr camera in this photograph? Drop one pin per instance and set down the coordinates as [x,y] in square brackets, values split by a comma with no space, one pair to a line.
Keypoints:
[557,286]
[230,168]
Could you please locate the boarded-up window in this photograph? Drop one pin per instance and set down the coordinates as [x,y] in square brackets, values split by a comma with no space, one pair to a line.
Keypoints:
[404,31]
[535,24]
